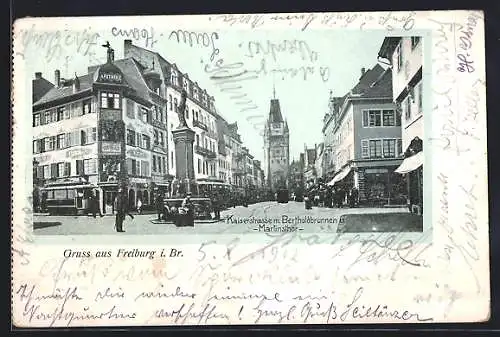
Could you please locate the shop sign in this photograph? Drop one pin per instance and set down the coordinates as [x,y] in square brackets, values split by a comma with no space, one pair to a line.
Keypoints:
[136,153]
[78,153]
[110,77]
[111,147]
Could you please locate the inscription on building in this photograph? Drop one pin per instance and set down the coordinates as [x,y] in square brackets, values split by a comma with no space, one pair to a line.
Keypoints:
[110,77]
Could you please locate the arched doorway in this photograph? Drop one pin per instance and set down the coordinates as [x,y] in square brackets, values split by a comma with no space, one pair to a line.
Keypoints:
[131,199]
[145,196]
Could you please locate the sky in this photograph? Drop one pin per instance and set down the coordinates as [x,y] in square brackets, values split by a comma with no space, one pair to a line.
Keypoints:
[330,60]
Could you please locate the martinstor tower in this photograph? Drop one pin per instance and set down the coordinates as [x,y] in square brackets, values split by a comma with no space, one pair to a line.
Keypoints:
[276,148]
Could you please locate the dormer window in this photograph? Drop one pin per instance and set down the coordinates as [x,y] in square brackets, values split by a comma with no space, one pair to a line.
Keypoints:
[173,77]
[185,84]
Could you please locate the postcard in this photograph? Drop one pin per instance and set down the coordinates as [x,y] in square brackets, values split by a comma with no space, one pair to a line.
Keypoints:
[286,168]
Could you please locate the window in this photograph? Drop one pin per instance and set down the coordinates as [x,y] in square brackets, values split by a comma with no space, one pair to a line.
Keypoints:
[137,167]
[170,105]
[61,144]
[196,115]
[407,109]
[399,57]
[91,135]
[375,148]
[53,115]
[110,100]
[46,115]
[389,148]
[139,140]
[36,146]
[89,166]
[144,115]
[60,169]
[172,159]
[414,41]
[162,139]
[146,142]
[46,171]
[67,169]
[164,164]
[155,137]
[197,140]
[187,113]
[399,145]
[130,137]
[60,113]
[154,163]
[67,113]
[87,106]
[419,97]
[36,119]
[49,143]
[158,162]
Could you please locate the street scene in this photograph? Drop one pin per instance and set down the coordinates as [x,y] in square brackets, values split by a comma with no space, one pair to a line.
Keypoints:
[137,145]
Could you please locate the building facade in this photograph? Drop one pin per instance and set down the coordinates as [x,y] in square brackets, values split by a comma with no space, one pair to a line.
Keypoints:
[404,54]
[367,140]
[112,127]
[98,128]
[276,148]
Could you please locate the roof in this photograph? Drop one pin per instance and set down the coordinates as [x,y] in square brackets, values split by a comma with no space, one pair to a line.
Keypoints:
[275,111]
[388,46]
[40,87]
[56,93]
[375,83]
[132,76]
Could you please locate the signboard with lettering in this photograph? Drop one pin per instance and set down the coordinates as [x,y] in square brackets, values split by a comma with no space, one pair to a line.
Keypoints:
[111,147]
[136,153]
[78,153]
[110,77]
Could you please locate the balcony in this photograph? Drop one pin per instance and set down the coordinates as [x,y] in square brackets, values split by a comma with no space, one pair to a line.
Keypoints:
[205,152]
[200,125]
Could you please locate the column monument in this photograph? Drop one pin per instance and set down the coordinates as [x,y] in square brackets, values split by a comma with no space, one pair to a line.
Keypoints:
[184,181]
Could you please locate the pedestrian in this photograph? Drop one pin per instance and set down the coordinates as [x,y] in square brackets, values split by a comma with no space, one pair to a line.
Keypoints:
[187,211]
[121,207]
[94,205]
[217,206]
[159,205]
[139,205]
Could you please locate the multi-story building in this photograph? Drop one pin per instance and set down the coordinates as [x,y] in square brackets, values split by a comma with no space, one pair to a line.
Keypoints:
[200,113]
[309,166]
[224,151]
[405,57]
[237,157]
[367,140]
[40,87]
[328,137]
[276,148]
[98,128]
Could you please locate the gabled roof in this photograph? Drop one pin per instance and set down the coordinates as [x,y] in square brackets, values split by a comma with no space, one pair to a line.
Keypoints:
[388,46]
[56,93]
[275,111]
[375,83]
[40,87]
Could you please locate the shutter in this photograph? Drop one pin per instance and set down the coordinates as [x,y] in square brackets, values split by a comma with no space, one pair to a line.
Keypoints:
[79,167]
[83,137]
[67,169]
[364,148]
[53,170]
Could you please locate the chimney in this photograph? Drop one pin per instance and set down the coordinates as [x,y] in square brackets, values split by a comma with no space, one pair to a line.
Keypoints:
[76,84]
[127,44]
[363,70]
[38,75]
[57,78]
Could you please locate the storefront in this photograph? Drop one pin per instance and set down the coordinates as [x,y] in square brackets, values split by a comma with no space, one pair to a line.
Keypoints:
[412,171]
[382,186]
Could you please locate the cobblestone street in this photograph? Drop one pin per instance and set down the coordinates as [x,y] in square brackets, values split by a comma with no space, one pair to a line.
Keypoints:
[235,220]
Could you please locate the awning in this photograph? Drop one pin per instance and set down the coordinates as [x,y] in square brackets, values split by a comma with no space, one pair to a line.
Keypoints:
[411,163]
[341,175]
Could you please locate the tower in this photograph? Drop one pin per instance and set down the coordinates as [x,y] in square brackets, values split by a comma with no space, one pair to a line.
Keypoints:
[276,147]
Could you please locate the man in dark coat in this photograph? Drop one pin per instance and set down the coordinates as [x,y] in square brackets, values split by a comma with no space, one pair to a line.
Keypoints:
[159,205]
[121,207]
[94,205]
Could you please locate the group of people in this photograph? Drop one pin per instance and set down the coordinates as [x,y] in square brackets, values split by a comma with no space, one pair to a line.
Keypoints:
[182,215]
[327,196]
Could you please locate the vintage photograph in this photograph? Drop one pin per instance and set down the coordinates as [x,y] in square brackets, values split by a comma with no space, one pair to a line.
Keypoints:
[250,169]
[141,139]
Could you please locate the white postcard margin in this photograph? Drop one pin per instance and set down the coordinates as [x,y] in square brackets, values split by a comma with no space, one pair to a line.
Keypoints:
[296,283]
